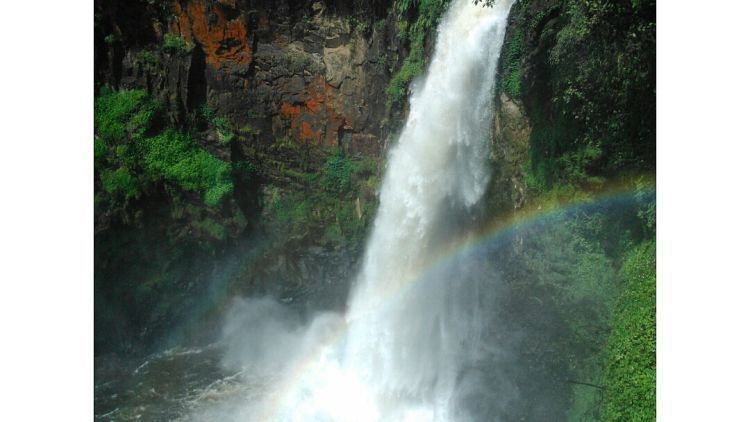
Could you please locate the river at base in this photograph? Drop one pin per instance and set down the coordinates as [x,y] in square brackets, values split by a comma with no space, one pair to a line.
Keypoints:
[180,384]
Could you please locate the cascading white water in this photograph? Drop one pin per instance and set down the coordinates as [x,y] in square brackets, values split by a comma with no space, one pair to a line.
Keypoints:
[410,333]
[401,351]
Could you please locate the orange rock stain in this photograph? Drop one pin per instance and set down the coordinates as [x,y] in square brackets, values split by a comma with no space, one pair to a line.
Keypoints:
[316,120]
[206,24]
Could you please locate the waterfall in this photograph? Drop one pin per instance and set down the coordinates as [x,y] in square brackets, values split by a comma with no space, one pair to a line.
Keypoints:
[410,332]
[401,351]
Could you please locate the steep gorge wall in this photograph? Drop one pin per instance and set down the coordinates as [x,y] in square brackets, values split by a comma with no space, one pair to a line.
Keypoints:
[302,90]
[575,112]
[300,93]
[292,95]
[278,68]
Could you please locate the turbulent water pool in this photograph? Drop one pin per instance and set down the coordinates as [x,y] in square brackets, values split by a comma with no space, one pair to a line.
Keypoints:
[171,385]
[179,384]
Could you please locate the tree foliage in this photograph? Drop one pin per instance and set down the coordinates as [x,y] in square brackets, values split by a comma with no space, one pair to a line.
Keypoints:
[630,372]
[415,31]
[137,154]
[586,74]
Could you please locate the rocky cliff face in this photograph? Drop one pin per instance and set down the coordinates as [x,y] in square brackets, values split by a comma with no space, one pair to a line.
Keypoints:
[293,95]
[509,152]
[302,69]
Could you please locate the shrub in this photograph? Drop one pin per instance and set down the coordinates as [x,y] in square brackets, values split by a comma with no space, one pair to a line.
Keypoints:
[337,173]
[592,101]
[397,89]
[333,234]
[211,227]
[429,13]
[511,57]
[630,372]
[111,39]
[361,26]
[221,124]
[149,57]
[120,183]
[646,197]
[117,114]
[289,213]
[174,43]
[122,122]
[402,30]
[330,214]
[174,156]
[100,150]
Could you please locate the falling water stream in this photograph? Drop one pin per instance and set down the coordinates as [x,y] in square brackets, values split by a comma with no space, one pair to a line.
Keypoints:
[399,352]
[405,347]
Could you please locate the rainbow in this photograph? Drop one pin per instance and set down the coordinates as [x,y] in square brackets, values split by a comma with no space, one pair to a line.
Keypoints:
[492,232]
[540,212]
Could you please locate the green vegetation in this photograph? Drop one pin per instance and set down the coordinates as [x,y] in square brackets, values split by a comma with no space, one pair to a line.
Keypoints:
[212,227]
[380,25]
[173,156]
[402,30]
[337,172]
[361,26]
[591,103]
[630,372]
[137,155]
[289,211]
[221,124]
[398,86]
[162,204]
[339,213]
[174,43]
[111,39]
[121,183]
[382,63]
[564,286]
[120,119]
[428,16]
[583,295]
[117,114]
[149,57]
[512,55]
